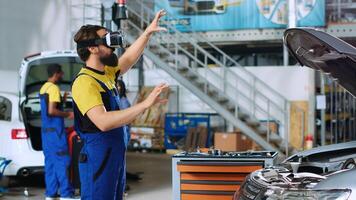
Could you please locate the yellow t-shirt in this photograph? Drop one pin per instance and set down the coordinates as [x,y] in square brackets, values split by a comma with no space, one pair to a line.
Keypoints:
[53,91]
[86,91]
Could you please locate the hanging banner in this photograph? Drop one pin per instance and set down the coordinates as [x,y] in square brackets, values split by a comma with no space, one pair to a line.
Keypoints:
[215,15]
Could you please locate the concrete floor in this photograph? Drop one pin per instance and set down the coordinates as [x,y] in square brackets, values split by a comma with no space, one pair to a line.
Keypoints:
[156,180]
[155,183]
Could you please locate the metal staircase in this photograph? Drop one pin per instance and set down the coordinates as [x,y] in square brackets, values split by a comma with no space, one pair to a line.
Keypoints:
[238,96]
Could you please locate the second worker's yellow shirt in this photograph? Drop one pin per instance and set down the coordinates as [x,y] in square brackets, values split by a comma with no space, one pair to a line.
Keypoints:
[53,91]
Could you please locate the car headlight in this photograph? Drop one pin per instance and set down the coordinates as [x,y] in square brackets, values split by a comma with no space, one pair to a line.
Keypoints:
[279,194]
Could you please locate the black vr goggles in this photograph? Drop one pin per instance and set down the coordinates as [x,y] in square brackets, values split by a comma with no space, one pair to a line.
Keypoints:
[111,39]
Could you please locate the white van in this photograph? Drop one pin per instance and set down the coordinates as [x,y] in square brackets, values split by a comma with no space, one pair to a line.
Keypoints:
[20,119]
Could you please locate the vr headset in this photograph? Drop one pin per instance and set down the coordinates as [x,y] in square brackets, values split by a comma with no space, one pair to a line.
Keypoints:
[111,39]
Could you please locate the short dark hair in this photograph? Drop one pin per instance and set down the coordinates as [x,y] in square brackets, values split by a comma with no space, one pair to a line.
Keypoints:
[86,32]
[53,68]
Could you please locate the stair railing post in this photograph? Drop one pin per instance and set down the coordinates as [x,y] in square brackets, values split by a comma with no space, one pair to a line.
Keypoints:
[175,55]
[196,56]
[224,80]
[141,16]
[237,99]
[225,75]
[254,96]
[268,118]
[206,74]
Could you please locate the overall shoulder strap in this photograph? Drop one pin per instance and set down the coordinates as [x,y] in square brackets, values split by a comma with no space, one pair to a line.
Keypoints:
[76,124]
[45,91]
[97,80]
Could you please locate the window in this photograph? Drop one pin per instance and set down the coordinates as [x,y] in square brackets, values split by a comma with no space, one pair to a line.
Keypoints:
[5,109]
[37,74]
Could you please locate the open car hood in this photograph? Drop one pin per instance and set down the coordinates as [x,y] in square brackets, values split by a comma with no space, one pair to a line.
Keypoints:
[321,51]
[325,151]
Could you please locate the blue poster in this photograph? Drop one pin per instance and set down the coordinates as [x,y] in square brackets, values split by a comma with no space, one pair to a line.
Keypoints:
[215,15]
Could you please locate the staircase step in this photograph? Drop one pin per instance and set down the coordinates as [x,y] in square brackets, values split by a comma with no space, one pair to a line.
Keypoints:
[153,47]
[170,59]
[183,70]
[212,92]
[222,100]
[281,146]
[231,107]
[191,76]
[155,50]
[242,116]
[162,54]
[200,85]
[252,122]
[262,130]
[275,138]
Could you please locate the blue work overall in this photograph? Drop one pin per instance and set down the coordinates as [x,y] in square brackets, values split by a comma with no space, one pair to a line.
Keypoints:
[55,150]
[102,164]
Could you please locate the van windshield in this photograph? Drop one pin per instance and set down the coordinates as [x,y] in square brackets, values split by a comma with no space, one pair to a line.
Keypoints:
[37,74]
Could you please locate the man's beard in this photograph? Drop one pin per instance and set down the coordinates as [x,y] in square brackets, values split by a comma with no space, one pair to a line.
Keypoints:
[110,60]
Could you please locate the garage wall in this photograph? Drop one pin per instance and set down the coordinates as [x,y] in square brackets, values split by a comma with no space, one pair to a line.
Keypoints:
[291,82]
[9,81]
[31,26]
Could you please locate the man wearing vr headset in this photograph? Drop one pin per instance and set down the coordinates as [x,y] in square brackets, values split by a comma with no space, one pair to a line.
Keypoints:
[98,118]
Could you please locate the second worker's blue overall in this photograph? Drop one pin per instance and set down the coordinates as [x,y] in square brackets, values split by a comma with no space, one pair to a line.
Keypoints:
[55,150]
[102,164]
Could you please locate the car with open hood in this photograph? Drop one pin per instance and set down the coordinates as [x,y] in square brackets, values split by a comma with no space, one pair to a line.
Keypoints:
[321,173]
[301,174]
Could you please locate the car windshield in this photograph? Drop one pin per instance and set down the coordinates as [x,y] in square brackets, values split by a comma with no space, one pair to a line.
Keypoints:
[37,74]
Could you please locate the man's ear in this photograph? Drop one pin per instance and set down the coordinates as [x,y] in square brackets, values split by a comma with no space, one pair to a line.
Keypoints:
[57,75]
[93,50]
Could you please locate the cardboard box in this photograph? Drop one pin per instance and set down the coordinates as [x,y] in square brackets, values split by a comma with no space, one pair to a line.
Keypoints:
[234,141]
